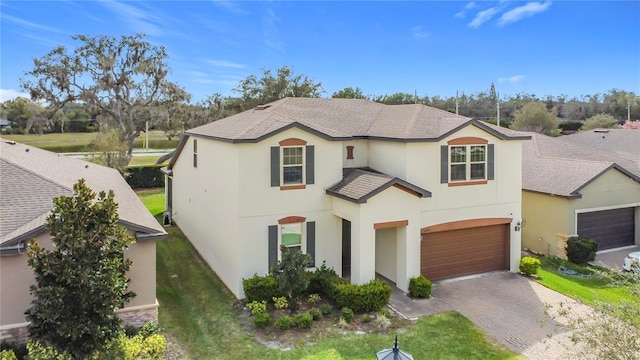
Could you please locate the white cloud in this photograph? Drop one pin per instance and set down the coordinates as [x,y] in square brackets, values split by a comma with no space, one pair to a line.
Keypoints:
[29,24]
[418,33]
[512,79]
[482,17]
[527,10]
[141,20]
[225,64]
[462,14]
[230,6]
[10,94]
[271,38]
[470,5]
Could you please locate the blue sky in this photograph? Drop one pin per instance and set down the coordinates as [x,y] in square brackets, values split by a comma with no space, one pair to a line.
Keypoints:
[434,48]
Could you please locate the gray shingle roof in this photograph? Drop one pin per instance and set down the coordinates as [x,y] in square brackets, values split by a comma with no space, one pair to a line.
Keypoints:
[559,167]
[30,178]
[342,119]
[359,185]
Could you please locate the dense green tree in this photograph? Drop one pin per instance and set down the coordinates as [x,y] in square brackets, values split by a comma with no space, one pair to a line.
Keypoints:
[534,116]
[349,93]
[600,121]
[290,275]
[271,87]
[116,76]
[81,281]
[24,114]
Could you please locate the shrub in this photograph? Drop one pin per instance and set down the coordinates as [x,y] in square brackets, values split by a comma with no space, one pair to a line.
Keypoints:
[284,323]
[326,309]
[8,355]
[290,275]
[260,288]
[304,320]
[581,250]
[419,287]
[149,176]
[262,320]
[257,307]
[382,321]
[314,298]
[322,280]
[280,302]
[371,296]
[529,265]
[38,351]
[316,313]
[367,318]
[19,350]
[347,314]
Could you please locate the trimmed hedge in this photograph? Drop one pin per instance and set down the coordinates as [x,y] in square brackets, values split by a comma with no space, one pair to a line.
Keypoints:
[419,287]
[322,281]
[260,288]
[371,296]
[581,250]
[144,176]
[529,265]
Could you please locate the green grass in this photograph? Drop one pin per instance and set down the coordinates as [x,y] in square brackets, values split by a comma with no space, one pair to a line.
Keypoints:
[588,289]
[197,310]
[77,142]
[145,160]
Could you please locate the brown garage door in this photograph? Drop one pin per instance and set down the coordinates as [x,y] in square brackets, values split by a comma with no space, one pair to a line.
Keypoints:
[449,254]
[610,228]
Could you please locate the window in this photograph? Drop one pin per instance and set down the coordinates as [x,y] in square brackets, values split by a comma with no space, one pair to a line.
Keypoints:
[292,164]
[291,236]
[294,232]
[195,153]
[467,161]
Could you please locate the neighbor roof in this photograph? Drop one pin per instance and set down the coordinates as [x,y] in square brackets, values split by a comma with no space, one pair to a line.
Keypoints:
[342,119]
[31,178]
[559,167]
[359,185]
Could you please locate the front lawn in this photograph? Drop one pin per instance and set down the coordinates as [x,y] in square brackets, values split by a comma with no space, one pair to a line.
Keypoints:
[587,289]
[197,310]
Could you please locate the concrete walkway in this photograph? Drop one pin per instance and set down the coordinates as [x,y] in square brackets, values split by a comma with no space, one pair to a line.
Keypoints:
[509,307]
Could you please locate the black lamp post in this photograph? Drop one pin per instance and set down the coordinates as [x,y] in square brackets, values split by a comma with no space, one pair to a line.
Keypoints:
[394,353]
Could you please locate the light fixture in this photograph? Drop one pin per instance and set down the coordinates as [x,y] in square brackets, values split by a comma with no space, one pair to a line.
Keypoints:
[518,226]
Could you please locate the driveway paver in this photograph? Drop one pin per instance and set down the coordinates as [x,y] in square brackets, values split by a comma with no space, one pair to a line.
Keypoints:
[509,307]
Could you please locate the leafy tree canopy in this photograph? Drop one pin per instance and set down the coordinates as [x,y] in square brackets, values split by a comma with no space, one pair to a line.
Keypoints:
[349,93]
[116,76]
[534,116]
[81,281]
[600,121]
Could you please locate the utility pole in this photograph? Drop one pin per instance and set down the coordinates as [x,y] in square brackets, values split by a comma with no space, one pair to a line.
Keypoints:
[498,107]
[456,102]
[628,110]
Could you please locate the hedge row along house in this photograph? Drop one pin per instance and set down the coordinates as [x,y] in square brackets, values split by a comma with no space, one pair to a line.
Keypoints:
[370,189]
[30,179]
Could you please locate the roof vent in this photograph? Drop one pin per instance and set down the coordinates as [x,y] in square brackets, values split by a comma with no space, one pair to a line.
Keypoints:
[10,142]
[601,130]
[261,107]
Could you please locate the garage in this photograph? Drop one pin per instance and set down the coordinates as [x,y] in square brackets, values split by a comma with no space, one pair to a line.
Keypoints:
[454,253]
[610,228]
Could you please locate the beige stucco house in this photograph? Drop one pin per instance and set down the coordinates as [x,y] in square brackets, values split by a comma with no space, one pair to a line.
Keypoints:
[29,180]
[585,184]
[370,189]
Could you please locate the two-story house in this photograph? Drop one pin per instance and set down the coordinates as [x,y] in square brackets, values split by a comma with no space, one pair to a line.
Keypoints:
[394,190]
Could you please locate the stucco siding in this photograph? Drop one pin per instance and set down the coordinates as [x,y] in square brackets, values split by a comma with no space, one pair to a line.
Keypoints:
[360,154]
[386,252]
[142,272]
[205,204]
[388,157]
[545,217]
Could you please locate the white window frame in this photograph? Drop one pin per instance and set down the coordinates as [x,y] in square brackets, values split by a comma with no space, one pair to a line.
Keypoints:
[468,163]
[303,243]
[302,164]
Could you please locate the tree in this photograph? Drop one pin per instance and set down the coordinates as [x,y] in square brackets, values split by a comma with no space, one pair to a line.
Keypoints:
[534,116]
[600,121]
[349,93]
[81,282]
[290,275]
[115,76]
[270,87]
[24,114]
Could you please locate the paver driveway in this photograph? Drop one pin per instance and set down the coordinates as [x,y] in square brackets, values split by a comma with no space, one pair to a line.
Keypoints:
[508,306]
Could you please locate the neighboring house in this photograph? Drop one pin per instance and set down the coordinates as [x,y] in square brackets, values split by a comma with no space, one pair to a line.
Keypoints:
[5,125]
[585,184]
[29,180]
[394,190]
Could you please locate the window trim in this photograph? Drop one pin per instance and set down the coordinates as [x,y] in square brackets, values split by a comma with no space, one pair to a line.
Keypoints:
[195,153]
[289,220]
[468,143]
[288,144]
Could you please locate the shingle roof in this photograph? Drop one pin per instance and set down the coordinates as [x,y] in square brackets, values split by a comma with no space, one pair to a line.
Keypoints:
[559,167]
[342,119]
[30,178]
[359,185]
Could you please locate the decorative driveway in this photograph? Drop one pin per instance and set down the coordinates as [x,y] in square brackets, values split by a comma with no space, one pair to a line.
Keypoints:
[509,307]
